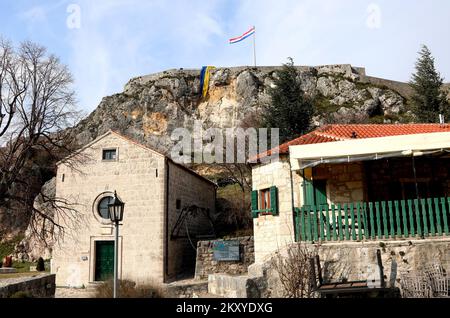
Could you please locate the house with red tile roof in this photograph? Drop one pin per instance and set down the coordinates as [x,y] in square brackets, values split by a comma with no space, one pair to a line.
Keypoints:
[355,184]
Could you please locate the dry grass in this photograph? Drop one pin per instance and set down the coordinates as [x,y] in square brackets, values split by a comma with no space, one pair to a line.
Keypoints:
[128,289]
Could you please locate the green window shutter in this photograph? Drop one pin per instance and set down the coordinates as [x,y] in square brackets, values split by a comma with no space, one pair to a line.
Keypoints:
[274,200]
[309,192]
[254,204]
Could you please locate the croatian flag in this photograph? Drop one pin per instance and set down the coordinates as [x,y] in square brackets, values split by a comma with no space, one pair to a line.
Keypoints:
[243,36]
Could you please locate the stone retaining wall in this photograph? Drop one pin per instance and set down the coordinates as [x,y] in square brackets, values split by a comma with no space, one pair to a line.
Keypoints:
[235,286]
[206,264]
[403,88]
[39,286]
[340,261]
[190,289]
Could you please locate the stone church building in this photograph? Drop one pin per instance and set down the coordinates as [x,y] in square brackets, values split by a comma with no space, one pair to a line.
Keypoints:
[167,209]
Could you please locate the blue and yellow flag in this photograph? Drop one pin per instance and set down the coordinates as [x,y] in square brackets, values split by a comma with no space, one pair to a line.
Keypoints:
[204,79]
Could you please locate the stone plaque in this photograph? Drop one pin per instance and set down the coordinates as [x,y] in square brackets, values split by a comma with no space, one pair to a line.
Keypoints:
[106,230]
[226,251]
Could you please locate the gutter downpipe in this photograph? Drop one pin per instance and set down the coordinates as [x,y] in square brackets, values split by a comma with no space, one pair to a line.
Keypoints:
[166,223]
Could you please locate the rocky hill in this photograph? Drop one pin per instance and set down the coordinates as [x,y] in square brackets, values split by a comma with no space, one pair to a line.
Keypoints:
[152,106]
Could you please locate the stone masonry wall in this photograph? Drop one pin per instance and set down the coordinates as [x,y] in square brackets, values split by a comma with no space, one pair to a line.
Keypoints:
[345,182]
[206,264]
[189,190]
[138,177]
[274,232]
[357,261]
[39,286]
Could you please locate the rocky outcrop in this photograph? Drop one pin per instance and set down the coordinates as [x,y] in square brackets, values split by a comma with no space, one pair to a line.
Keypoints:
[38,240]
[152,106]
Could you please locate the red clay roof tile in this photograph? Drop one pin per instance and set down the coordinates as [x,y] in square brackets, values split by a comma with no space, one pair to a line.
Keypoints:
[339,132]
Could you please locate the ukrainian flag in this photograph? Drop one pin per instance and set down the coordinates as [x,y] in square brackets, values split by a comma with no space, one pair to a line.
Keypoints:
[204,79]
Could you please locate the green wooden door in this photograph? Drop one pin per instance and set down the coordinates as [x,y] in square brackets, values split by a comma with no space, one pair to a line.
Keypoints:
[320,189]
[316,202]
[104,260]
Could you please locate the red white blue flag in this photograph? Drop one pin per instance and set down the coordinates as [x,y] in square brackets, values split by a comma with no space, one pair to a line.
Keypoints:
[243,36]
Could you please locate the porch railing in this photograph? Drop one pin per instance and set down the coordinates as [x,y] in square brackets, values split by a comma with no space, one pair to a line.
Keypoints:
[374,220]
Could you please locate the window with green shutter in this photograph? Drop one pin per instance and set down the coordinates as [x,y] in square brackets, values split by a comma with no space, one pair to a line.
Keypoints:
[254,204]
[308,192]
[274,200]
[265,202]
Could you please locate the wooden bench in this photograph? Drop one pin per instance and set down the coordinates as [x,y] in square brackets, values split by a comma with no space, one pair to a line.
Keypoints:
[337,289]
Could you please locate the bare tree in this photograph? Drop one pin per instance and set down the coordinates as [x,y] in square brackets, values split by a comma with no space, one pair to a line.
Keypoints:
[241,175]
[294,271]
[36,104]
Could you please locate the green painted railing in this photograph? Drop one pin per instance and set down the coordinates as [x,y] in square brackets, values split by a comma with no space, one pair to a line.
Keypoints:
[374,220]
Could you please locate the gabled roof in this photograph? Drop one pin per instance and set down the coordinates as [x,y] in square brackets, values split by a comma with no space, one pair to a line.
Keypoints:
[341,132]
[112,132]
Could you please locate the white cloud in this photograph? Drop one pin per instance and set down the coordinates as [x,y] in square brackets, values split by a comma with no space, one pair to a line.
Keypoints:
[117,41]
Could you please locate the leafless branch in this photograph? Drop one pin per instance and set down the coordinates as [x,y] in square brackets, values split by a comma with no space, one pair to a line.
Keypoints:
[37,103]
[294,271]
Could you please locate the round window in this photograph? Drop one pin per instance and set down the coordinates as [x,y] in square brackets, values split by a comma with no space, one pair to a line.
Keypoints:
[102,207]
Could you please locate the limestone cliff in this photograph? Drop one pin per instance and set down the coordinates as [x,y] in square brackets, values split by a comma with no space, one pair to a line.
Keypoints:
[152,106]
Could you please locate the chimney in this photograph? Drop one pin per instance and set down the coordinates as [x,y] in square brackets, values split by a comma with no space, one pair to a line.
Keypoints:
[441,119]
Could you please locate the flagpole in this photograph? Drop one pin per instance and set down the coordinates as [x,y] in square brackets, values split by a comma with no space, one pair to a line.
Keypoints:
[254,46]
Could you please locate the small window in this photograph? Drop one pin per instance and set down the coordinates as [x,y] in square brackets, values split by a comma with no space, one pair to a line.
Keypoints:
[265,199]
[178,204]
[109,154]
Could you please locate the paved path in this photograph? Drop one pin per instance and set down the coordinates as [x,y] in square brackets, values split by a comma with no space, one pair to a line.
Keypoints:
[18,278]
[89,292]
[74,292]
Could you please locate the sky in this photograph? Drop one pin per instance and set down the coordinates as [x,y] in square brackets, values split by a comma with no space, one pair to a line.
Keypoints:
[107,42]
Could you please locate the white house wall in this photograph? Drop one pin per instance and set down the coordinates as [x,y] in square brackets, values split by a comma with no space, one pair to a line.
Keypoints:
[134,176]
[274,232]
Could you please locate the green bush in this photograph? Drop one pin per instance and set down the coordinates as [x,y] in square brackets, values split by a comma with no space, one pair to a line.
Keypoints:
[40,267]
[22,267]
[128,289]
[7,247]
